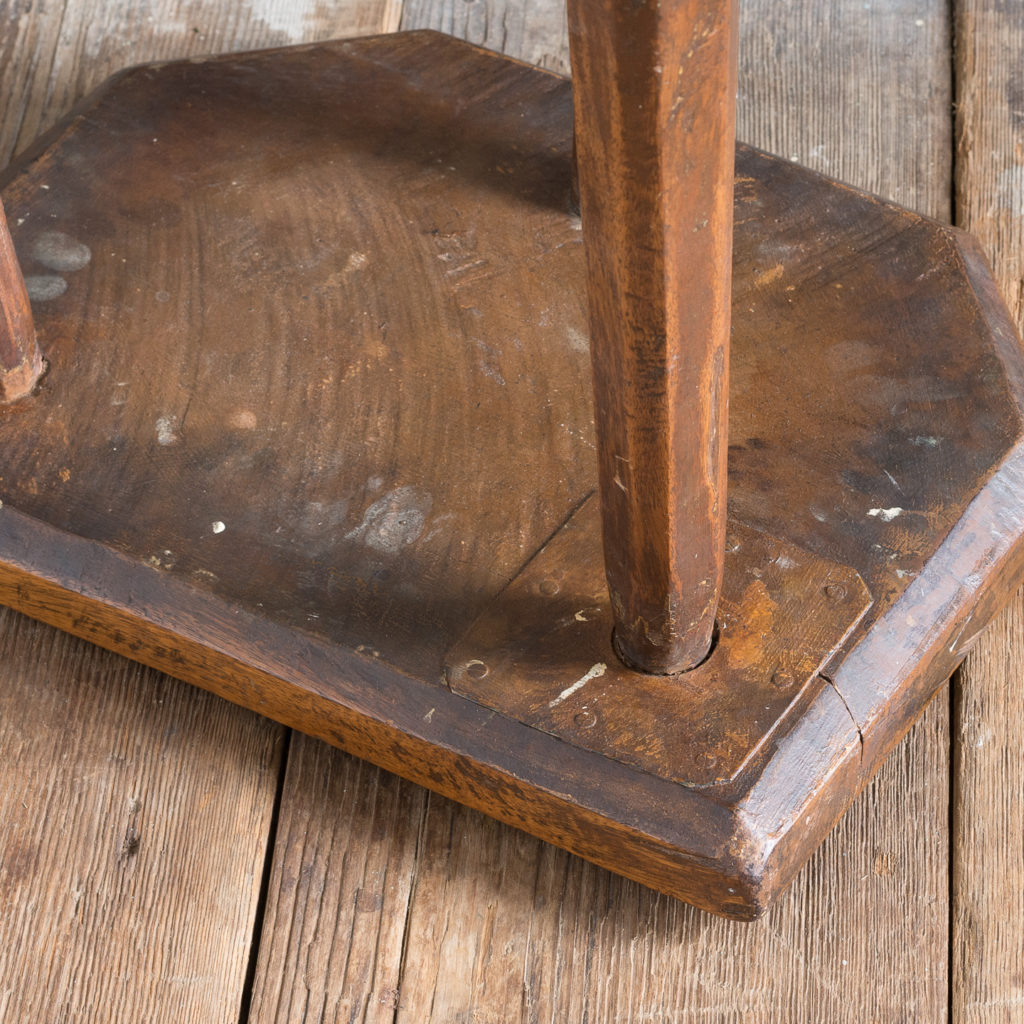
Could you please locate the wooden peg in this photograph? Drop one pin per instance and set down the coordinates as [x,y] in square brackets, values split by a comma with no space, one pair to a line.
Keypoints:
[21,363]
[655,98]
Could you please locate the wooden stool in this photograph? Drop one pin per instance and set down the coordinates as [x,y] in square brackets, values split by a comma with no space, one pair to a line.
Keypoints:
[322,328]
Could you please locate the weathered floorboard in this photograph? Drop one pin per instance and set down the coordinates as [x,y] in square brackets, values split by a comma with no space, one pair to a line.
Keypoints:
[335,923]
[502,927]
[52,54]
[987,845]
[134,814]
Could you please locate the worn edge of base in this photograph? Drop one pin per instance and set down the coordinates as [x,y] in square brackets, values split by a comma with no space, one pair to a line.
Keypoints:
[733,861]
[844,737]
[651,831]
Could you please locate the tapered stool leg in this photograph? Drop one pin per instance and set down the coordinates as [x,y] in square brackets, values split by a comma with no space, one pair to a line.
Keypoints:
[21,362]
[655,104]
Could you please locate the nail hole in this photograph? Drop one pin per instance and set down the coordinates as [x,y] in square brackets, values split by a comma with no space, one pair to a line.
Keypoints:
[782,679]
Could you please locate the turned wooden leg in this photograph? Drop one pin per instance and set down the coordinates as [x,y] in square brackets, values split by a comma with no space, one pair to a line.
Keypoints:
[21,362]
[655,97]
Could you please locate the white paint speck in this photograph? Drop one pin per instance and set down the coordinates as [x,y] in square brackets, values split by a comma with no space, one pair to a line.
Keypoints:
[926,442]
[167,430]
[818,155]
[785,562]
[580,617]
[429,715]
[218,527]
[621,486]
[887,515]
[357,261]
[595,672]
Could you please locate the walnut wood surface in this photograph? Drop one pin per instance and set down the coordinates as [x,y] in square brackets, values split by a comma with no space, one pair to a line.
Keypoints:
[655,113]
[861,936]
[988,780]
[783,616]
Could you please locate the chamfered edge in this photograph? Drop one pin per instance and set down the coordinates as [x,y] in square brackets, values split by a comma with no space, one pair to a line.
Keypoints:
[653,831]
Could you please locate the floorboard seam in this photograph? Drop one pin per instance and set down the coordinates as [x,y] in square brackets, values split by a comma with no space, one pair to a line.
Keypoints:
[413,884]
[245,1000]
[954,682]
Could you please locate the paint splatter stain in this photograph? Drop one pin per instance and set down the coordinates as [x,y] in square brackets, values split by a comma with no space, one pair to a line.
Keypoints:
[772,274]
[60,252]
[595,672]
[218,527]
[243,419]
[394,521]
[167,430]
[45,287]
[578,341]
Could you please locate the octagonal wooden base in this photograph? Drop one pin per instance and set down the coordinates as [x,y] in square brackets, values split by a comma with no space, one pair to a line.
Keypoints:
[317,425]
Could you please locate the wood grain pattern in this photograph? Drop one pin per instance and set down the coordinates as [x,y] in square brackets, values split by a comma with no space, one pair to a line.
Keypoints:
[533,32]
[53,54]
[654,100]
[988,724]
[503,927]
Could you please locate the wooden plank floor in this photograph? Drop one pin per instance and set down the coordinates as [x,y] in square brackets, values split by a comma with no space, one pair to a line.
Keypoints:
[165,856]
